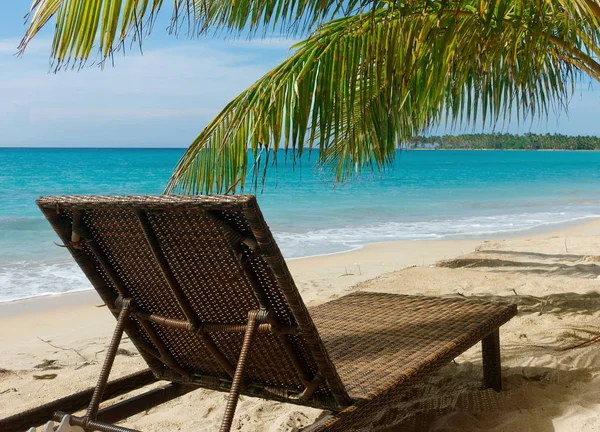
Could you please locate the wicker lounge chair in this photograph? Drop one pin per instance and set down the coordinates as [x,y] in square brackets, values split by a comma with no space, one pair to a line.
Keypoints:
[202,290]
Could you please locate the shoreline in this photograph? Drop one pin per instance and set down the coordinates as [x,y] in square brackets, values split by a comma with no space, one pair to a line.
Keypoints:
[548,227]
[86,296]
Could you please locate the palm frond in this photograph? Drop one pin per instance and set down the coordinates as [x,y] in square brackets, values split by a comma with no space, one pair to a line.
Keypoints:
[82,25]
[360,85]
[285,17]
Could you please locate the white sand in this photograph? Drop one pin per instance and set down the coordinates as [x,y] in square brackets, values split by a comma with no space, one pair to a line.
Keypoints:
[548,387]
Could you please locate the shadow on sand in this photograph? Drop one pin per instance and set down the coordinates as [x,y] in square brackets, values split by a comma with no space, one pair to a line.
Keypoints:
[443,404]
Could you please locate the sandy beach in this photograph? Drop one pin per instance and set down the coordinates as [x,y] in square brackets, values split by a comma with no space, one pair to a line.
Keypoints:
[53,346]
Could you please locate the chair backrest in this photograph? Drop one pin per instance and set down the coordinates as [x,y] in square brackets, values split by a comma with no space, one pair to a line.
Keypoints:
[194,267]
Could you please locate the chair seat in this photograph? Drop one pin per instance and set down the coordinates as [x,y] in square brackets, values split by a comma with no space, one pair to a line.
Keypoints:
[378,341]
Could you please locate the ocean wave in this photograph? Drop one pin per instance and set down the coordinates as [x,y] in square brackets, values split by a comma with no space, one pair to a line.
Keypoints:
[332,240]
[6,220]
[24,279]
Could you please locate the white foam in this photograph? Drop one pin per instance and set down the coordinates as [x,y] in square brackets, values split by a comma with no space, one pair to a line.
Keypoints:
[25,279]
[332,240]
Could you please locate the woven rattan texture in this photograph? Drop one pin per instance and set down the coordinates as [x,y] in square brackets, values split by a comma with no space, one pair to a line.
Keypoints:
[200,255]
[83,202]
[379,340]
[382,344]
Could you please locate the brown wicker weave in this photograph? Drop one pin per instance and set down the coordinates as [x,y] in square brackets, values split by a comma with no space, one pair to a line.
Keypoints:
[202,290]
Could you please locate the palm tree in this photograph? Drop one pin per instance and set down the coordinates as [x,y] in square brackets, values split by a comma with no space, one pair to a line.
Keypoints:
[369,74]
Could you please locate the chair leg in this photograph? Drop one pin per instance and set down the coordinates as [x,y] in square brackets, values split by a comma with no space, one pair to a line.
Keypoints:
[236,385]
[92,410]
[492,372]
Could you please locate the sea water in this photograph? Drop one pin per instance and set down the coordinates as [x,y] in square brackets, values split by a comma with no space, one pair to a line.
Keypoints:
[426,195]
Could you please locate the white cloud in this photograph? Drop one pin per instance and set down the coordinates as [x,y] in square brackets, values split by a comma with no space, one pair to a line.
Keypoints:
[60,114]
[8,46]
[180,87]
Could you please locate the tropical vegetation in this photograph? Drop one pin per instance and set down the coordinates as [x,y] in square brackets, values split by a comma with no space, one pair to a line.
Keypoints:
[368,75]
[497,141]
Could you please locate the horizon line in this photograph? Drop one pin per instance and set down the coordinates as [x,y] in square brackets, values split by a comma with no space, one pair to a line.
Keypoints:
[90,148]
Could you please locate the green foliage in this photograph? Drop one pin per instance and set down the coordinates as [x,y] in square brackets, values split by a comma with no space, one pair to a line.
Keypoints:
[82,24]
[370,76]
[506,142]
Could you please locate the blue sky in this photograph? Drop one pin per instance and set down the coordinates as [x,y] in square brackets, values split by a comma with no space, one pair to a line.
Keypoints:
[162,98]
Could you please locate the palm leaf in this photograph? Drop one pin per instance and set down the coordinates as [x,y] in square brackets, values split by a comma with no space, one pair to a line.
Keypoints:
[83,24]
[361,85]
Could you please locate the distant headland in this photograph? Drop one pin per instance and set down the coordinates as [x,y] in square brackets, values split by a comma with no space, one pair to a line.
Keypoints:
[499,141]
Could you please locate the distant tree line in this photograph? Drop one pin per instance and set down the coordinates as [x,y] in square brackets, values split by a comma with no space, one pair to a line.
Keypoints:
[499,141]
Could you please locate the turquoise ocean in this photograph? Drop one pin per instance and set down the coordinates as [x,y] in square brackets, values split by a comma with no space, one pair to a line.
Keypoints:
[427,195]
